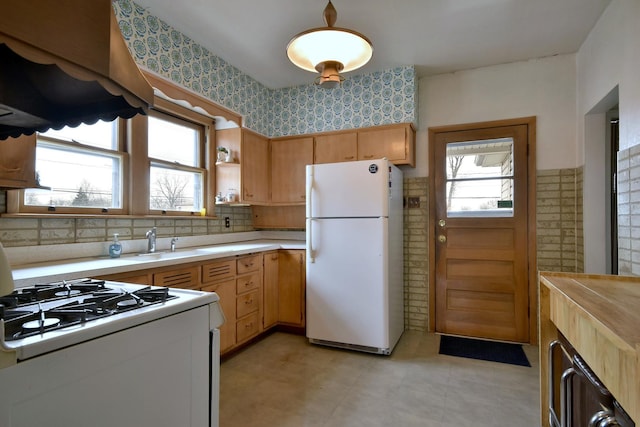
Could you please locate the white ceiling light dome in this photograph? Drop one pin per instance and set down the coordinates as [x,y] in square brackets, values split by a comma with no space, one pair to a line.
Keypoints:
[329,50]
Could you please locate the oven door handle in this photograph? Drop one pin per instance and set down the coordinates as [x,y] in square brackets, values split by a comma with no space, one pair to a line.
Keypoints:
[566,397]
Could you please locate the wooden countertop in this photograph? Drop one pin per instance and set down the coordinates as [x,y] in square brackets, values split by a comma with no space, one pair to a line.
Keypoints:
[600,316]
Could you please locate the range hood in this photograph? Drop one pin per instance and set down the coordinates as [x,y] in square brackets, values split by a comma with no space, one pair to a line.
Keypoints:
[64,63]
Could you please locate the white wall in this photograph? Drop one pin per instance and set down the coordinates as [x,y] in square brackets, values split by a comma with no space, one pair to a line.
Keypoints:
[610,57]
[608,71]
[545,88]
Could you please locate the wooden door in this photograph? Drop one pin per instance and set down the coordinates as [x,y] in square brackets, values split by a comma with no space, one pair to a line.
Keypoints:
[226,291]
[289,158]
[291,287]
[270,290]
[481,232]
[336,147]
[254,163]
[389,142]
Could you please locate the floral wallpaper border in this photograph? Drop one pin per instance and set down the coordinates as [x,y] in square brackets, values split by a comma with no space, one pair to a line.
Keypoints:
[383,97]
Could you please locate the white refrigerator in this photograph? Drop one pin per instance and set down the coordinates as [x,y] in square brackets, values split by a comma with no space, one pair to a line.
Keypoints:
[355,255]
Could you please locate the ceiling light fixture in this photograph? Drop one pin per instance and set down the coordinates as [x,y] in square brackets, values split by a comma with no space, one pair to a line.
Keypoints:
[329,50]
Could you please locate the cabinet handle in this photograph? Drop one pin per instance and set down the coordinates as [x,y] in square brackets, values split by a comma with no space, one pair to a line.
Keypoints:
[368,157]
[248,325]
[249,302]
[246,285]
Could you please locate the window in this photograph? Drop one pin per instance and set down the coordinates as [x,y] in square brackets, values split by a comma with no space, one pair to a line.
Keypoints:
[176,172]
[154,164]
[480,178]
[82,166]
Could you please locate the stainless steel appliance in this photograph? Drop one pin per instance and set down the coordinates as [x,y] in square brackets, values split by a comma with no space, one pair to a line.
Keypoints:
[577,397]
[90,352]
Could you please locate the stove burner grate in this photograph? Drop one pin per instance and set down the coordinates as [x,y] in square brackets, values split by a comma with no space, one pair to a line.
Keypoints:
[52,291]
[21,324]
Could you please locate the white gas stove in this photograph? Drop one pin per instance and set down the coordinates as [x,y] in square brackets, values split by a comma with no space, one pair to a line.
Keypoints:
[141,350]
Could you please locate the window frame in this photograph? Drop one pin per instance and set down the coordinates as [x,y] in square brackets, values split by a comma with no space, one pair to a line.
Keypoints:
[78,146]
[136,162]
[201,128]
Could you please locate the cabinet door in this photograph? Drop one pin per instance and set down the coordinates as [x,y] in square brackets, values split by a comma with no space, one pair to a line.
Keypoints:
[333,148]
[18,162]
[255,167]
[289,157]
[291,287]
[392,142]
[187,278]
[226,290]
[270,290]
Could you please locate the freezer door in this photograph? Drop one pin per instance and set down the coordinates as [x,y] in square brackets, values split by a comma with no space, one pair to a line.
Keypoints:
[347,282]
[348,189]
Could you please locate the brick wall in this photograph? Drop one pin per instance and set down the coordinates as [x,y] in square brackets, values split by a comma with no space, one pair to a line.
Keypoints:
[629,211]
[559,220]
[416,256]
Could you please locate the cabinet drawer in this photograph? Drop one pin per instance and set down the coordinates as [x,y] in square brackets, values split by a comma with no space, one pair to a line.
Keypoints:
[249,263]
[184,278]
[247,303]
[220,270]
[247,283]
[247,327]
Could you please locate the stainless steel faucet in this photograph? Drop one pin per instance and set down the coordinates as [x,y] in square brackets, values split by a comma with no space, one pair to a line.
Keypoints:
[151,240]
[173,244]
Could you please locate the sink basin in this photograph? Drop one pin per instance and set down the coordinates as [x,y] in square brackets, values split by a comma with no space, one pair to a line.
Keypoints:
[166,255]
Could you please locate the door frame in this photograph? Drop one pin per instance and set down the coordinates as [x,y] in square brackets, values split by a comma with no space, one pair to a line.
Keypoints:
[532,262]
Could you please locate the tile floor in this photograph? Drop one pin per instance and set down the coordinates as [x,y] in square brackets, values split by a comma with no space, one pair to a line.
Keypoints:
[282,381]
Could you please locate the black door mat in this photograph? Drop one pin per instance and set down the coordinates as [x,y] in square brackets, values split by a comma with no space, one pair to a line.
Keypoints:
[492,351]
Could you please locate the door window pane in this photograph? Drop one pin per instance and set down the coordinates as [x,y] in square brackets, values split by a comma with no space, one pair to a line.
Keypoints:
[480,178]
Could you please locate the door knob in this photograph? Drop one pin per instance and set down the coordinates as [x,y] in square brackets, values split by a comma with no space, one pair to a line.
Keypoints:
[442,223]
[442,238]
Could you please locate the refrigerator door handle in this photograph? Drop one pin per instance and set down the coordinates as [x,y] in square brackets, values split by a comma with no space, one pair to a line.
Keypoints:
[308,189]
[310,256]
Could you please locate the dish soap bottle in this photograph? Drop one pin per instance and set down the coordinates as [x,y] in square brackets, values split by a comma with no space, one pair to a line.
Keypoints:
[115,248]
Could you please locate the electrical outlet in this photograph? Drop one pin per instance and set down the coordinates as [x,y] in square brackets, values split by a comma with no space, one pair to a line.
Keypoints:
[227,222]
[413,202]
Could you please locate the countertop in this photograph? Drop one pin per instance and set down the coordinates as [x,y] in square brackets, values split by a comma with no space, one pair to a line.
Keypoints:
[74,268]
[600,317]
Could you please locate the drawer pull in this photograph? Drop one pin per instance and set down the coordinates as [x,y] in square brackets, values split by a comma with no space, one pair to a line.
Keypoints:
[249,302]
[246,285]
[248,325]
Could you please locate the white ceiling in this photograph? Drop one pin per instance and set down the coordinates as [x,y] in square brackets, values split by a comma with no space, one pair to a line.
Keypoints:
[436,36]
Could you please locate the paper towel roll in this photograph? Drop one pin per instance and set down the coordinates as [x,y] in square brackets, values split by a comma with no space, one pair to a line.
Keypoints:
[6,278]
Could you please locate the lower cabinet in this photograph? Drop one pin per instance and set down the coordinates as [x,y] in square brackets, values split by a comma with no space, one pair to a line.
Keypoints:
[270,290]
[257,291]
[291,287]
[226,290]
[238,283]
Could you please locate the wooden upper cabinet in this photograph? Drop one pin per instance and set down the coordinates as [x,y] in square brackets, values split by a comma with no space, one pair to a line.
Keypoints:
[289,158]
[255,167]
[395,142]
[18,162]
[336,147]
